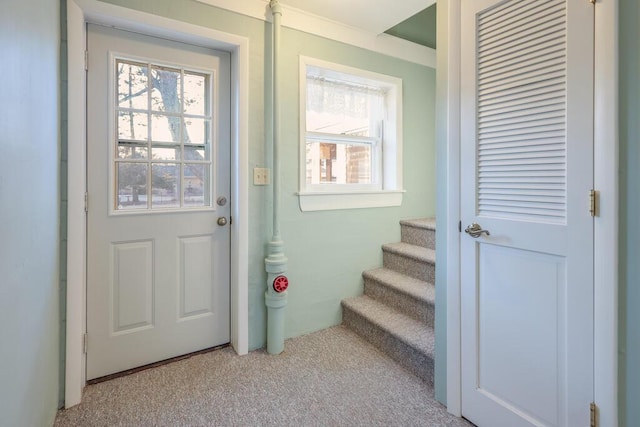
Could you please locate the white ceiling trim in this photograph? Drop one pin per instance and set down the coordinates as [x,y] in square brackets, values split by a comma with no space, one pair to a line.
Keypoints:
[304,21]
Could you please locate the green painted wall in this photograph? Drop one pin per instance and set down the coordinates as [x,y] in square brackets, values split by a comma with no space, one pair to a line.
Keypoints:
[327,251]
[629,213]
[420,28]
[64,198]
[29,197]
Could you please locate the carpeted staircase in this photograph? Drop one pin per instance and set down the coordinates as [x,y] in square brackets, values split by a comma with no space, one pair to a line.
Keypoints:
[396,312]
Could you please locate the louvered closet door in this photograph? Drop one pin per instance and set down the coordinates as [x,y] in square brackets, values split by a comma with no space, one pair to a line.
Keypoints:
[527,168]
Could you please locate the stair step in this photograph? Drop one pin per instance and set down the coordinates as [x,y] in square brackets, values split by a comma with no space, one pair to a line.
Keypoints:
[406,340]
[406,294]
[415,261]
[420,232]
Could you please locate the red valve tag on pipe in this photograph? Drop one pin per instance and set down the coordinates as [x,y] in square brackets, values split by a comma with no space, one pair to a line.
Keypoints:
[280,284]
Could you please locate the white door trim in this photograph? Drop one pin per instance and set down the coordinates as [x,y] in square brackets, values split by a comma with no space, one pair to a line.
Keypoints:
[606,224]
[79,13]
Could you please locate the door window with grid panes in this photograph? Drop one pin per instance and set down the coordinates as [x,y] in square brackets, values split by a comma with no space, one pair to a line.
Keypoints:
[162,155]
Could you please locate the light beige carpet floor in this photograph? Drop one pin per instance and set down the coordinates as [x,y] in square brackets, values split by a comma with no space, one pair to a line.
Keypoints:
[328,378]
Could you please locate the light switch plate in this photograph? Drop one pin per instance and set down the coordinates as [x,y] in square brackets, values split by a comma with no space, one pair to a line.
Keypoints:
[261,176]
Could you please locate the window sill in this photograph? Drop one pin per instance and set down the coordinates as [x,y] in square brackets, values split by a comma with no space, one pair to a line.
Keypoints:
[325,201]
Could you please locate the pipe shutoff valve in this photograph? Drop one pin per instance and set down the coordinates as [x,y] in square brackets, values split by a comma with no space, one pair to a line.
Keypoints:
[280,284]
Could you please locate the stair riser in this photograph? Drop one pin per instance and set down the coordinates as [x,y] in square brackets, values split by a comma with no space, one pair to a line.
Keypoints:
[413,360]
[418,236]
[411,267]
[419,310]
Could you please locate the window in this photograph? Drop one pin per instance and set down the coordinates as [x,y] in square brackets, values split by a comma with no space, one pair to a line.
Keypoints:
[350,136]
[162,153]
[343,132]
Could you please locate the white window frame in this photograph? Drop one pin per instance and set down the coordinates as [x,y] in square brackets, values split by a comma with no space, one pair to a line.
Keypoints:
[386,187]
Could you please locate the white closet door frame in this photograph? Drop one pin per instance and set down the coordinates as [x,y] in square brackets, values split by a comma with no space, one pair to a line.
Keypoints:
[79,13]
[606,183]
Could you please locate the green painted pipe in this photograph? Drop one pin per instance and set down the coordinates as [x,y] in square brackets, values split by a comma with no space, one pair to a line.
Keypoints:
[276,266]
[276,262]
[276,304]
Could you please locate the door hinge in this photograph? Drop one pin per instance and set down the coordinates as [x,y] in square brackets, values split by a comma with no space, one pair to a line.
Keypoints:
[86,60]
[593,202]
[459,226]
[85,345]
[230,220]
[86,201]
[593,415]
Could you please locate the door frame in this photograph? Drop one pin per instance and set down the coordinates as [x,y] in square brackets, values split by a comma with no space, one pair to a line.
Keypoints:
[605,181]
[79,13]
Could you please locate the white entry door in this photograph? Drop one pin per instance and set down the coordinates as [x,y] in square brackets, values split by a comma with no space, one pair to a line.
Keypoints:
[527,170]
[158,200]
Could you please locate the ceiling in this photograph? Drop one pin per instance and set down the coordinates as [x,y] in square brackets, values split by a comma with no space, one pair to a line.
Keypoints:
[375,16]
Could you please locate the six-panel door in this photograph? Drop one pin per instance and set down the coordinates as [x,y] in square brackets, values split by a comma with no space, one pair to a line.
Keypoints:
[158,160]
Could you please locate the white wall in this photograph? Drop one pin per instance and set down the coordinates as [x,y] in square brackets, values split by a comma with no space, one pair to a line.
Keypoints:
[29,194]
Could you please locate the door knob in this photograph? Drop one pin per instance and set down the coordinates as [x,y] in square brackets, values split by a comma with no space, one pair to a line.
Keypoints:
[475,231]
[222,221]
